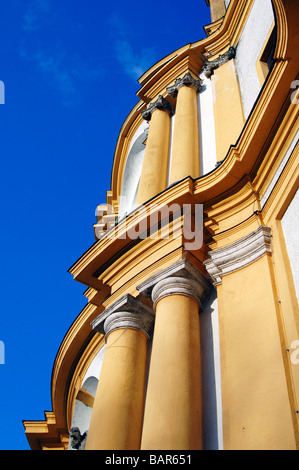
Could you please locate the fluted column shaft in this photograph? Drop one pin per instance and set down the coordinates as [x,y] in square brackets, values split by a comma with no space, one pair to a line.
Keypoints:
[153,178]
[117,415]
[185,147]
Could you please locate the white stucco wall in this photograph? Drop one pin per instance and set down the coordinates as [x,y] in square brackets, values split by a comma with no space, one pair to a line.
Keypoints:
[250,45]
[95,367]
[207,137]
[290,224]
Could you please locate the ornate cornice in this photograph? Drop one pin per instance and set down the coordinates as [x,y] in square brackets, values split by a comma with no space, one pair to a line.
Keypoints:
[238,254]
[161,103]
[186,80]
[210,66]
[126,312]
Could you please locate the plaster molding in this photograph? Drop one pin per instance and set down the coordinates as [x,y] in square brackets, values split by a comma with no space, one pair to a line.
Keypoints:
[161,103]
[177,286]
[238,254]
[186,80]
[183,270]
[210,66]
[126,312]
[134,321]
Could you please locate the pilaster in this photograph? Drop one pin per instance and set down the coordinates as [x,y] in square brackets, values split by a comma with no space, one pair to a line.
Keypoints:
[254,372]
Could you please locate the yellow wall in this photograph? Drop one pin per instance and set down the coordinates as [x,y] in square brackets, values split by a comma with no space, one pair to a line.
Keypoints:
[228,110]
[256,408]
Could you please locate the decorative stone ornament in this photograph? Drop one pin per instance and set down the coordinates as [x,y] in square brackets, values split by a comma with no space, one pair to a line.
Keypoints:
[161,103]
[135,321]
[238,254]
[186,80]
[177,286]
[181,278]
[127,312]
[77,440]
[210,66]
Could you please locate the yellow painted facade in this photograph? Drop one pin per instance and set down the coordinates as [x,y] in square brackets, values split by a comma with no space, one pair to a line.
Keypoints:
[193,343]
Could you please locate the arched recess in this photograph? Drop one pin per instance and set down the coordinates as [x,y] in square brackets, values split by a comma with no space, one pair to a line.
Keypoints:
[90,385]
[132,174]
[83,408]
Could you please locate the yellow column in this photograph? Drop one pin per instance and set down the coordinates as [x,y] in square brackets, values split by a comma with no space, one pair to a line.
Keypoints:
[117,415]
[153,178]
[185,147]
[173,410]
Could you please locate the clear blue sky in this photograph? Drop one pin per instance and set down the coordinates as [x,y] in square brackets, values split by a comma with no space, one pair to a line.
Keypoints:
[70,70]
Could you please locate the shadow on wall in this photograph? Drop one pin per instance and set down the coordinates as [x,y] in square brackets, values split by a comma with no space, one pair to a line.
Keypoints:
[210,370]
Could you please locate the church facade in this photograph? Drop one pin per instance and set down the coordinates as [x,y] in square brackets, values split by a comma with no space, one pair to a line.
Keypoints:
[190,334]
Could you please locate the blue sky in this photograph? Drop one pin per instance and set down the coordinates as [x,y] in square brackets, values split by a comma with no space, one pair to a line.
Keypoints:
[70,70]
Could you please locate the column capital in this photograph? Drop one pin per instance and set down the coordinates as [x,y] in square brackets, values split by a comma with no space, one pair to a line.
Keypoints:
[126,312]
[210,66]
[186,80]
[177,286]
[181,278]
[161,103]
[238,254]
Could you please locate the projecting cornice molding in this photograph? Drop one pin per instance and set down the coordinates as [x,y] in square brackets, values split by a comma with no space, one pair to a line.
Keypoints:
[210,66]
[161,103]
[186,80]
[126,312]
[238,254]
